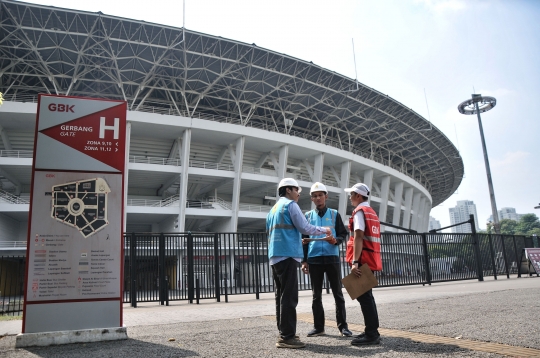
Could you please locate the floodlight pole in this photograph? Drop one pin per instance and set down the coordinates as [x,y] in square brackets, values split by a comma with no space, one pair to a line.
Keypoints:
[471,107]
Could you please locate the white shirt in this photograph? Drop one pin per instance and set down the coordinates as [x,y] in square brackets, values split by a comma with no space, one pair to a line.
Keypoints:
[358,220]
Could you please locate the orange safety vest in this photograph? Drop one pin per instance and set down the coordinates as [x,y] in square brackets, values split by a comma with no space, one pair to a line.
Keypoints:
[371,248]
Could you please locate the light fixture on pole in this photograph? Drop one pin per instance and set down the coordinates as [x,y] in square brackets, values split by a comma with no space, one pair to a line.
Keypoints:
[476,105]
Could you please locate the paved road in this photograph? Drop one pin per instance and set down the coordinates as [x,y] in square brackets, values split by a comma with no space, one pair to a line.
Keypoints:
[504,311]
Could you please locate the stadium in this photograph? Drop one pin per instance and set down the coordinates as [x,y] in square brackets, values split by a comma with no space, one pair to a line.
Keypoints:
[213,125]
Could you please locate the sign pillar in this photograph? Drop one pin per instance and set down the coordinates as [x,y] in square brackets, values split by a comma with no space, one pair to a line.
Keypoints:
[75,256]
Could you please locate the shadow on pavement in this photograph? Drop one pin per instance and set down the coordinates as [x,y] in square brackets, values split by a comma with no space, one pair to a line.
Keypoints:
[126,348]
[401,346]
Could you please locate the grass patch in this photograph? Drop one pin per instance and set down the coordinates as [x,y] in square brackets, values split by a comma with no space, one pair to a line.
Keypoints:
[10,318]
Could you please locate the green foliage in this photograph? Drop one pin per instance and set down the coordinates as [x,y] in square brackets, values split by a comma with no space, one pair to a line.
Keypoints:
[508,227]
[527,224]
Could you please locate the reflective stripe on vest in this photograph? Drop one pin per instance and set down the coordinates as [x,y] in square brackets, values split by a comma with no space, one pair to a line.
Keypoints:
[371,247]
[322,248]
[283,238]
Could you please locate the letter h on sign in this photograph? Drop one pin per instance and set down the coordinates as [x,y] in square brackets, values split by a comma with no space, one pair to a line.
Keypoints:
[103,127]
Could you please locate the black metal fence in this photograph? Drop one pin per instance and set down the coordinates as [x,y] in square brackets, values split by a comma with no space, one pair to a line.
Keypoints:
[192,266]
[195,266]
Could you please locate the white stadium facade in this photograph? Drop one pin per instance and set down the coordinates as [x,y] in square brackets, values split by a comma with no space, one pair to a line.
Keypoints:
[213,125]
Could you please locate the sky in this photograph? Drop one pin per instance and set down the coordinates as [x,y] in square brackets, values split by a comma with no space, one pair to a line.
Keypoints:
[430,55]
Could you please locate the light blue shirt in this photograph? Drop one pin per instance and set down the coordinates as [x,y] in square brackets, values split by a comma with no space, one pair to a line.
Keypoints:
[301,224]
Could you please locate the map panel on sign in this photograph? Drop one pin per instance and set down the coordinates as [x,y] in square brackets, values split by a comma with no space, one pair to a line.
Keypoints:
[81,204]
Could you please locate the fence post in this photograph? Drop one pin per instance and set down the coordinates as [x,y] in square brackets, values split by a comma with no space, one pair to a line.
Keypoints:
[217,267]
[479,269]
[504,256]
[133,269]
[256,263]
[518,259]
[492,256]
[161,272]
[191,274]
[426,259]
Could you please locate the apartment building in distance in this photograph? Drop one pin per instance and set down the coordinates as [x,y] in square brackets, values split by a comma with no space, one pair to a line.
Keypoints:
[460,213]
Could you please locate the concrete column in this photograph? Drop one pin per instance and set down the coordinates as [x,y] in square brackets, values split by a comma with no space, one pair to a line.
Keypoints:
[126,172]
[383,208]
[283,156]
[182,192]
[237,182]
[344,183]
[421,214]
[425,222]
[408,207]
[398,193]
[368,180]
[318,167]
[415,207]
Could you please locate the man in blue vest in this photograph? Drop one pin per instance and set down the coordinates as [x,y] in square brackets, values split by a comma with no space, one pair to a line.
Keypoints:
[322,256]
[285,225]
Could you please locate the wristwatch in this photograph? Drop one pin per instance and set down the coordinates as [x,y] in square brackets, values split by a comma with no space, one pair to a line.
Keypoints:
[356,262]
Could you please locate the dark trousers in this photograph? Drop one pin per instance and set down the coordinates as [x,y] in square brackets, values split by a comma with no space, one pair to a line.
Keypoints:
[316,271]
[286,282]
[369,310]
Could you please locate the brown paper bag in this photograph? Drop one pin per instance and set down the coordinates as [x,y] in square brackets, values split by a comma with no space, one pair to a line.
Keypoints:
[357,286]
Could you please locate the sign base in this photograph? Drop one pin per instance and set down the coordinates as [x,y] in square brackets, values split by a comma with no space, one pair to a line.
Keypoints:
[43,339]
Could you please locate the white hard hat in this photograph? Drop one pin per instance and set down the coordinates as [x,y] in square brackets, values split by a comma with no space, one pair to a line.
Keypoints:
[318,187]
[359,188]
[289,182]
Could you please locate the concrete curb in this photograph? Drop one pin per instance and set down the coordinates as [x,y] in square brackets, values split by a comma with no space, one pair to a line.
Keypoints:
[67,337]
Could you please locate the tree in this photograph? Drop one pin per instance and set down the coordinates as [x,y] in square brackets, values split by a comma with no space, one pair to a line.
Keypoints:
[527,224]
[508,226]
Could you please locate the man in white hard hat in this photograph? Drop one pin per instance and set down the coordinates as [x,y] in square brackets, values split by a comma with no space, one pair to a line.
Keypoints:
[285,225]
[322,256]
[364,247]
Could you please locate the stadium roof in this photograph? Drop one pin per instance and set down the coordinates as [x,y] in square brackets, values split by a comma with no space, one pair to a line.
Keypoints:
[165,69]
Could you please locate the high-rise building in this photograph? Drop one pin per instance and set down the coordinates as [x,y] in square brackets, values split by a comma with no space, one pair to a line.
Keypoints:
[434,224]
[461,213]
[507,213]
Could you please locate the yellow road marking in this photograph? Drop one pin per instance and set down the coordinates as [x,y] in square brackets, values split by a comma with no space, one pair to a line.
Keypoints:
[489,347]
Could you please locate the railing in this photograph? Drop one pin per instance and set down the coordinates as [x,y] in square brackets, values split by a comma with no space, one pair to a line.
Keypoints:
[254,208]
[262,171]
[154,160]
[12,244]
[258,125]
[170,201]
[189,266]
[12,199]
[206,165]
[224,204]
[16,153]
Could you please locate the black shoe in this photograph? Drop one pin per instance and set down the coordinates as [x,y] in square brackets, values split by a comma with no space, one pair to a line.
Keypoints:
[365,341]
[315,333]
[361,335]
[290,343]
[346,333]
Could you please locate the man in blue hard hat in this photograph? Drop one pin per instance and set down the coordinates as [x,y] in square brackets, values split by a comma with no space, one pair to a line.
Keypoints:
[285,225]
[321,255]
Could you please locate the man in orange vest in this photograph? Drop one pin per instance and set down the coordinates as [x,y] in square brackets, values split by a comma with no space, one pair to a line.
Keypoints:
[364,246]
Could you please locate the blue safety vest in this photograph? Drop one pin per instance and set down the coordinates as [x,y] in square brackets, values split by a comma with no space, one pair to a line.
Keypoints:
[283,238]
[322,248]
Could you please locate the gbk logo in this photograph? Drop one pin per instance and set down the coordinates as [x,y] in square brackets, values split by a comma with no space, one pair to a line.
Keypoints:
[53,107]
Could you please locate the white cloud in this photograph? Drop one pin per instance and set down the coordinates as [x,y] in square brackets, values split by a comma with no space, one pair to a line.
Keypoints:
[511,159]
[443,5]
[497,93]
